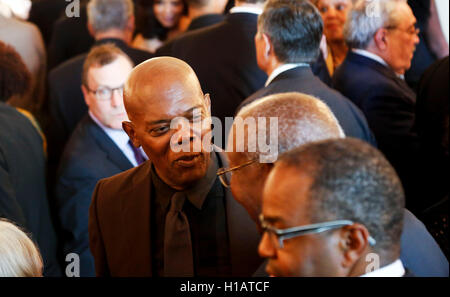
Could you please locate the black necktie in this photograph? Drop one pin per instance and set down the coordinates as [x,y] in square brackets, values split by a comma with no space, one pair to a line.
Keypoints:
[178,259]
[137,153]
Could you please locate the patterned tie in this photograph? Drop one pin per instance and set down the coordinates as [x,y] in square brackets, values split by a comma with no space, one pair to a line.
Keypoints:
[178,259]
[137,153]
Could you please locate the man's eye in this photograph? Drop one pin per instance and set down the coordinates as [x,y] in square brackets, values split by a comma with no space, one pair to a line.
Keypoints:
[159,130]
[323,9]
[340,7]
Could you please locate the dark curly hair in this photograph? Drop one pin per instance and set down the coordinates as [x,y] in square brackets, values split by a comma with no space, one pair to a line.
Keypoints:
[15,79]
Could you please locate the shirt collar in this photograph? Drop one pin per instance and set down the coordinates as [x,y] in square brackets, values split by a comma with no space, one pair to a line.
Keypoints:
[283,68]
[246,9]
[197,194]
[118,136]
[375,57]
[395,269]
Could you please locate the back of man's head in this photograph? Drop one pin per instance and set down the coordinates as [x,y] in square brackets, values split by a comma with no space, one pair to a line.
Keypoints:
[300,118]
[105,15]
[294,29]
[351,180]
[15,79]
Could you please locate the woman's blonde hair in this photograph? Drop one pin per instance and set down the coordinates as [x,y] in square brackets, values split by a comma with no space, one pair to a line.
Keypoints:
[19,256]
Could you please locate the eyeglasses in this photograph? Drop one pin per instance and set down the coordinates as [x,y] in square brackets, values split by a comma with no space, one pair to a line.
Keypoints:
[411,30]
[104,93]
[224,174]
[278,236]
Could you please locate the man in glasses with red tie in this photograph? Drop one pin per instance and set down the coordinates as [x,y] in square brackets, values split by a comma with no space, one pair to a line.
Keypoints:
[98,148]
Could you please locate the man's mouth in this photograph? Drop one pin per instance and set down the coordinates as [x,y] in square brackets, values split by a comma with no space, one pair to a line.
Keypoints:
[188,160]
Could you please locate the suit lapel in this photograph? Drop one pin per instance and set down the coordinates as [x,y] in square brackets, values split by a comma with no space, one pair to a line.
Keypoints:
[108,146]
[136,218]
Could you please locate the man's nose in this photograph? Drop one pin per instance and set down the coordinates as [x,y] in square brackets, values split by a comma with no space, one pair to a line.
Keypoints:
[265,248]
[116,98]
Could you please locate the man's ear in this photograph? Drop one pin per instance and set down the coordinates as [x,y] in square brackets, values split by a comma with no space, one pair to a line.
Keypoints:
[91,30]
[380,39]
[268,48]
[85,95]
[128,127]
[207,99]
[353,242]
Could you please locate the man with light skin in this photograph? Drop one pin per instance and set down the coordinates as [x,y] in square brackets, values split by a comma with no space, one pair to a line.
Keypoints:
[303,119]
[333,208]
[382,38]
[170,216]
[98,148]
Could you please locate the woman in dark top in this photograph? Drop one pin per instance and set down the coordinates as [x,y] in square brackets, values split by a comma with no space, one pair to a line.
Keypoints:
[157,21]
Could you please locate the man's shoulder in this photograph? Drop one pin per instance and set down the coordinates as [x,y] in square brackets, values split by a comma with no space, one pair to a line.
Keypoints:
[125,181]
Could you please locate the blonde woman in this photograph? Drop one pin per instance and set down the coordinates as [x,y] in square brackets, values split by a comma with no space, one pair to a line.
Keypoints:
[19,256]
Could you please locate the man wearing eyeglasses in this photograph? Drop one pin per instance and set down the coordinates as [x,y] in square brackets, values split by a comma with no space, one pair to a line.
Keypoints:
[333,208]
[98,148]
[382,38]
[302,119]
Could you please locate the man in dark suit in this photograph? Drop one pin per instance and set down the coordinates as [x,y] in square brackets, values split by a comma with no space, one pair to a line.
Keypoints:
[303,119]
[371,76]
[285,53]
[333,208]
[170,216]
[109,22]
[223,57]
[23,194]
[98,148]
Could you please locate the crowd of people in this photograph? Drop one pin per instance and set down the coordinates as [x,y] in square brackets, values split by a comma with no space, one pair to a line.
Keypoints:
[133,137]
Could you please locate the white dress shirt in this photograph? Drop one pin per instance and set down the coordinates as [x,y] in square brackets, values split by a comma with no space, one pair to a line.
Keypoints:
[246,9]
[395,269]
[283,68]
[121,139]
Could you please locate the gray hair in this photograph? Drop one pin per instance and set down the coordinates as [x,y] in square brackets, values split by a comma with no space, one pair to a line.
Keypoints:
[105,15]
[19,256]
[301,119]
[294,28]
[366,17]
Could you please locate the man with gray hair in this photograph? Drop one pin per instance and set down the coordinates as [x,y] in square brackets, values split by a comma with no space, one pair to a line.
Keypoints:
[287,42]
[109,21]
[382,38]
[303,119]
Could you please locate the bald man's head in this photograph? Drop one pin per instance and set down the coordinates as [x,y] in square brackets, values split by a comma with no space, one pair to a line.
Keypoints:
[300,118]
[167,109]
[158,76]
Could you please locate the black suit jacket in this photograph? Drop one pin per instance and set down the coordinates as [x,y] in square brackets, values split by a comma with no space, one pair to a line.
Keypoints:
[67,105]
[89,156]
[23,194]
[44,13]
[119,227]
[389,106]
[224,59]
[70,37]
[302,79]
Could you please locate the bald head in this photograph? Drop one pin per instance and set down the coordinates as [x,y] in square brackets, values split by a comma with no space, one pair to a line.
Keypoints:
[155,79]
[301,119]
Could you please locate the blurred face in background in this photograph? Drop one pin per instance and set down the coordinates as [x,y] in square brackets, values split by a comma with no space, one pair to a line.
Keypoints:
[334,15]
[168,12]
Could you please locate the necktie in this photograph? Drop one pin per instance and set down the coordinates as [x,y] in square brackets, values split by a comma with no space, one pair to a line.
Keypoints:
[137,153]
[178,259]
